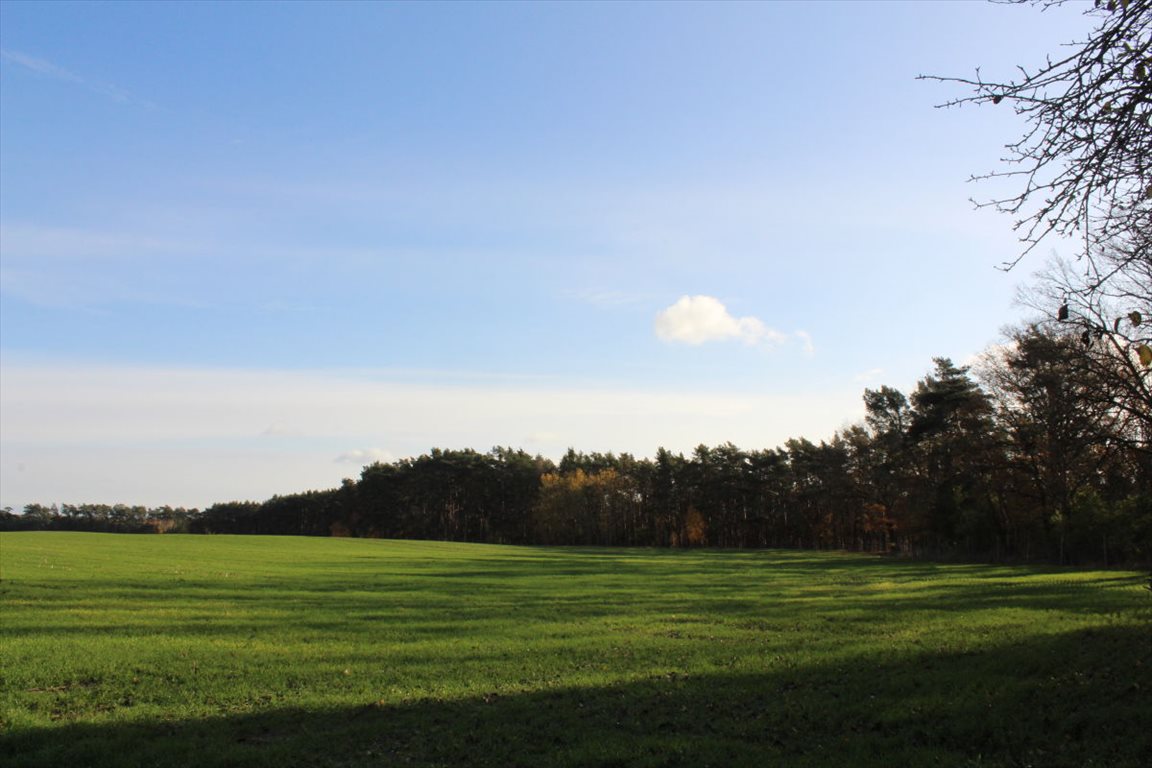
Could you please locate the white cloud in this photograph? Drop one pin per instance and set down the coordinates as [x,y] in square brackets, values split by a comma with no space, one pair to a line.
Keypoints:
[363,456]
[699,319]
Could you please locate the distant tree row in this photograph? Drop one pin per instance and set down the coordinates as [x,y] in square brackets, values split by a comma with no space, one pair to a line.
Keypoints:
[101,518]
[1043,454]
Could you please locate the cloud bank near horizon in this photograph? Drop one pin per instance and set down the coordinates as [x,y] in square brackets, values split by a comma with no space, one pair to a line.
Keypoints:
[192,437]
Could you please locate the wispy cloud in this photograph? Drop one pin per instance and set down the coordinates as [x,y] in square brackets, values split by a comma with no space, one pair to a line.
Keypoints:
[83,269]
[610,298]
[697,320]
[537,438]
[33,242]
[870,375]
[806,344]
[48,69]
[41,66]
[280,429]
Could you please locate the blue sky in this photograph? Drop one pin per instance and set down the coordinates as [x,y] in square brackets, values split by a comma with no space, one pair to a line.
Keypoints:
[247,247]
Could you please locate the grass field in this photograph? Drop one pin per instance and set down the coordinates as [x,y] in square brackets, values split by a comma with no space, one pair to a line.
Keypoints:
[236,651]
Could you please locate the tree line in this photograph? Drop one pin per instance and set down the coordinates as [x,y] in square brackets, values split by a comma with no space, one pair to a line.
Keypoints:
[100,518]
[1041,452]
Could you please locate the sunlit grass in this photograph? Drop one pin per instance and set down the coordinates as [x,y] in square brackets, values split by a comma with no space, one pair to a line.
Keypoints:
[181,650]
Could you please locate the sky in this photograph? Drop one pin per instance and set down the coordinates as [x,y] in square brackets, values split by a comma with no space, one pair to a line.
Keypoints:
[248,248]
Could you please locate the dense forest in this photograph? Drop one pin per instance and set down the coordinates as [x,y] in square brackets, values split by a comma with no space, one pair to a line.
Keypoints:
[1042,452]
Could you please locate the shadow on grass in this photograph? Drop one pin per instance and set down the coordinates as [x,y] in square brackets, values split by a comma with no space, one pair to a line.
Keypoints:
[1077,699]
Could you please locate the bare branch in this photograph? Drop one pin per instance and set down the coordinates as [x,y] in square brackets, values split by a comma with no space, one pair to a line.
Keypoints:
[1085,158]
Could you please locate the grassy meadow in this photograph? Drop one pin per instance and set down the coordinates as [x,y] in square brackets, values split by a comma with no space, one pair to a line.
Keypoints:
[261,651]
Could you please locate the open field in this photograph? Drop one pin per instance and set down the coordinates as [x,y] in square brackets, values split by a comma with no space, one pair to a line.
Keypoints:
[237,651]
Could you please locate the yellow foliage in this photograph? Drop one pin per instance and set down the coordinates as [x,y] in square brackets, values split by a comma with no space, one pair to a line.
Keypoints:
[695,528]
[579,507]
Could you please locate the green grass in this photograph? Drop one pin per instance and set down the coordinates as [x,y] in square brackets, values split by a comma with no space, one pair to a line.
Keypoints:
[237,651]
